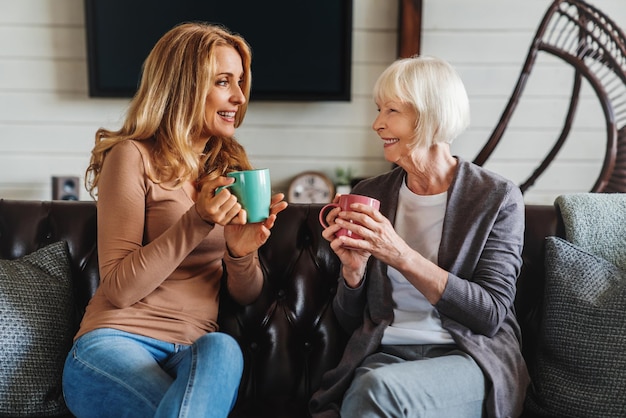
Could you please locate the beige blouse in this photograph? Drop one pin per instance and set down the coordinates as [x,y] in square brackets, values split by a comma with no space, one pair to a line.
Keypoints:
[160,263]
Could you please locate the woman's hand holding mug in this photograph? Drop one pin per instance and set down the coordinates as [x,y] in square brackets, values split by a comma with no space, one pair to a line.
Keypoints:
[344,203]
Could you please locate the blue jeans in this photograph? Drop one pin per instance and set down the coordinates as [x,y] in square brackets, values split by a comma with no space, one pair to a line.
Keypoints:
[439,382]
[111,373]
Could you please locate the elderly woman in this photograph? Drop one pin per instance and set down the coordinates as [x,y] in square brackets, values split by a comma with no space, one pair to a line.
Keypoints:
[428,293]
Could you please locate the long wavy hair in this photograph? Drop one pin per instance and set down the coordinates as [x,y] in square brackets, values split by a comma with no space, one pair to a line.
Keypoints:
[169,108]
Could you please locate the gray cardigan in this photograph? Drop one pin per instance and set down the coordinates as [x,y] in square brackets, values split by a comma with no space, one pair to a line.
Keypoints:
[481,248]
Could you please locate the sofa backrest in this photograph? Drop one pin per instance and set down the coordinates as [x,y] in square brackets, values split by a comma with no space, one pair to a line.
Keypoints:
[289,336]
[26,226]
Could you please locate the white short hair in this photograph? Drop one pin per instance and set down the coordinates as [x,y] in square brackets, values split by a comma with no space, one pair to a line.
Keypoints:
[436,92]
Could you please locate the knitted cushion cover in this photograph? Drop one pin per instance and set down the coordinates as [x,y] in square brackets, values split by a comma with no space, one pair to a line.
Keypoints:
[596,222]
[581,356]
[36,331]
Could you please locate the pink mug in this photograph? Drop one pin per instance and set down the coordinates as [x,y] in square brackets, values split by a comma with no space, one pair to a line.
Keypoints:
[345,200]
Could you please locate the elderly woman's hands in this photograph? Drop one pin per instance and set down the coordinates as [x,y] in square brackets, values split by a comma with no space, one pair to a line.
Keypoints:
[379,239]
[382,241]
[353,261]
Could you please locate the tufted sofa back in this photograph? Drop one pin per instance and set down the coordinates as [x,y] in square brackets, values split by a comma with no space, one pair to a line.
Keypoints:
[26,226]
[289,336]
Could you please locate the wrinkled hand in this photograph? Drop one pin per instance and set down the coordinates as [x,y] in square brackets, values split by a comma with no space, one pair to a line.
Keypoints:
[380,239]
[353,261]
[242,239]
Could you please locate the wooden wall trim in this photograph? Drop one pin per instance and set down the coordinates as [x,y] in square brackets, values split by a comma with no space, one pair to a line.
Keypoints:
[409,28]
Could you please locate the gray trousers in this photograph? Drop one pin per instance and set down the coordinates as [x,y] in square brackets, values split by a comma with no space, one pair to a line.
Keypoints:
[416,381]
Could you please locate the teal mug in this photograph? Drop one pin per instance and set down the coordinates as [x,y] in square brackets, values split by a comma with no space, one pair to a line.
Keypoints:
[253,190]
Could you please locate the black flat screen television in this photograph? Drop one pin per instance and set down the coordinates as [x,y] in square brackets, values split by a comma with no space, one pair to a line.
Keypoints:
[301,49]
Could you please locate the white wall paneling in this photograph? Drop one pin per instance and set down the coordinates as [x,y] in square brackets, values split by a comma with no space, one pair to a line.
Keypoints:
[487,41]
[47,121]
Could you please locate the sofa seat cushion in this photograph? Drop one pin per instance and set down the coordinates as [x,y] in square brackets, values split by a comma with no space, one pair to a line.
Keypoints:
[580,365]
[36,331]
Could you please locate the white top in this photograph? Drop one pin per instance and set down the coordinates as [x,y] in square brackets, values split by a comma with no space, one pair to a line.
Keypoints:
[419,221]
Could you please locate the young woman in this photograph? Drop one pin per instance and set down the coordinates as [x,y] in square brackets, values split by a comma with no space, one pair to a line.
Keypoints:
[148,345]
[428,293]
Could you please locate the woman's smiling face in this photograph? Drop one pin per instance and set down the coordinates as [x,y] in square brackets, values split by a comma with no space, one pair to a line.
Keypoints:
[395,125]
[225,96]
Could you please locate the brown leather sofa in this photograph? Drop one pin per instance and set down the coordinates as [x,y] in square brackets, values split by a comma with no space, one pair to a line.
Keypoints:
[289,336]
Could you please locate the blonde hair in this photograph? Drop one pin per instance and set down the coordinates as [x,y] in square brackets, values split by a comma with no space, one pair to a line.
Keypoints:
[169,107]
[435,91]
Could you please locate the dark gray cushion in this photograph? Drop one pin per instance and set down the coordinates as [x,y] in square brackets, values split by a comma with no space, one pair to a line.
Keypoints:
[36,331]
[581,357]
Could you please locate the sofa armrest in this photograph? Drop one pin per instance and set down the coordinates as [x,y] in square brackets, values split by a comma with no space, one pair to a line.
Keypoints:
[541,221]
